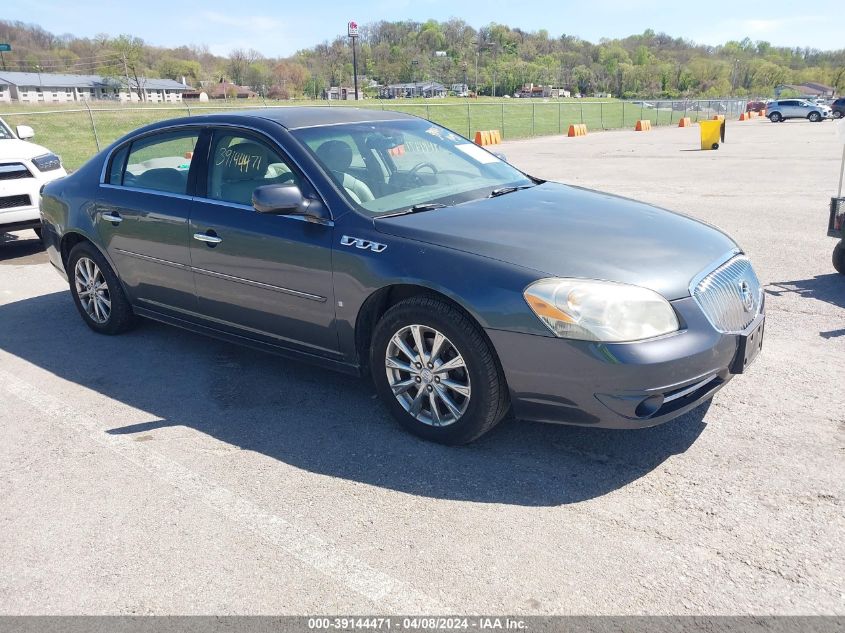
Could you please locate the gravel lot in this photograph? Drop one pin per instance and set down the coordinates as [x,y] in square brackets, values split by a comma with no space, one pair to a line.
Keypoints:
[163,472]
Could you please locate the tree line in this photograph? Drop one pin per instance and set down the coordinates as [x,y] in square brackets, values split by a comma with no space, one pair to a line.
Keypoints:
[493,60]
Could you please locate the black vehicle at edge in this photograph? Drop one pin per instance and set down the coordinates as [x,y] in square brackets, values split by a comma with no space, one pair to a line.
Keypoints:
[463,300]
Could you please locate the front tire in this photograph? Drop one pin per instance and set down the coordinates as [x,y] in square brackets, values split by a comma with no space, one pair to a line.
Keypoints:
[436,373]
[97,292]
[775,117]
[814,117]
[837,114]
[839,258]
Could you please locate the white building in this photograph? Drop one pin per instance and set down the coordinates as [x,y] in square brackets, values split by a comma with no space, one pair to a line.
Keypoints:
[17,87]
[426,89]
[342,93]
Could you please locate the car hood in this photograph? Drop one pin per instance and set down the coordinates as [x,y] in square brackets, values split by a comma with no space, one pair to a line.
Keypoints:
[16,149]
[564,231]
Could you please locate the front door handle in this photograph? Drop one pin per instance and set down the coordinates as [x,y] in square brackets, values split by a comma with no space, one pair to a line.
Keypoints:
[209,238]
[112,217]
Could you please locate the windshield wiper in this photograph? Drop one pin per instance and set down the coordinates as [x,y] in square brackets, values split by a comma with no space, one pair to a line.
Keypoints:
[417,208]
[503,190]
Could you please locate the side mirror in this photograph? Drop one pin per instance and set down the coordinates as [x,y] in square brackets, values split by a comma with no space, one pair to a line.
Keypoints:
[288,200]
[24,132]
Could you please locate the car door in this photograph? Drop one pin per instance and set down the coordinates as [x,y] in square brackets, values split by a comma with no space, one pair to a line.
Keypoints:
[141,215]
[790,108]
[260,275]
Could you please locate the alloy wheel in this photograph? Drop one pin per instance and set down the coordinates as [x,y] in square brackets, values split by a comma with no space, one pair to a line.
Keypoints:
[428,375]
[92,290]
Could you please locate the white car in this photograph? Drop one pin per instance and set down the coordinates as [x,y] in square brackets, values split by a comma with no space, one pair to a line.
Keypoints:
[24,169]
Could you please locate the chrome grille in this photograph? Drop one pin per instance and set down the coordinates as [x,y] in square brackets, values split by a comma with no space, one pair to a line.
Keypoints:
[13,171]
[722,295]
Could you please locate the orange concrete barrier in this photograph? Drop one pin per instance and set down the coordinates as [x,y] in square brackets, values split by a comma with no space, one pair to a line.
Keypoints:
[685,122]
[744,116]
[398,150]
[488,137]
[578,129]
[643,125]
[763,112]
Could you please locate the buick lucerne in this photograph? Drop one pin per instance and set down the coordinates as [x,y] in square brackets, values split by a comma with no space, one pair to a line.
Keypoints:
[381,244]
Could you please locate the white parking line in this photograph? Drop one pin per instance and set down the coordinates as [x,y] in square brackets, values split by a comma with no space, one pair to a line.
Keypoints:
[356,575]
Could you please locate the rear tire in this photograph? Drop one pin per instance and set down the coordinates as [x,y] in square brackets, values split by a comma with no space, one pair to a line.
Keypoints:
[97,292]
[839,258]
[715,146]
[445,406]
[775,117]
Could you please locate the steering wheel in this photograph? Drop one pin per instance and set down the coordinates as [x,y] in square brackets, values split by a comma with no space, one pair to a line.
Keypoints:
[413,171]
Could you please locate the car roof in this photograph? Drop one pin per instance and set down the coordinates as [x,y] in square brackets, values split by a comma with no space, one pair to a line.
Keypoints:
[295,117]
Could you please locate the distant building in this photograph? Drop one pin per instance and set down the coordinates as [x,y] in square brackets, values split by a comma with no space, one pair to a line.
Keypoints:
[459,90]
[223,90]
[342,93]
[425,89]
[807,89]
[545,92]
[18,87]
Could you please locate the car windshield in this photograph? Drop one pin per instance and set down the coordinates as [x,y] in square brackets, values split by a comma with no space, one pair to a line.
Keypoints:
[391,166]
[5,131]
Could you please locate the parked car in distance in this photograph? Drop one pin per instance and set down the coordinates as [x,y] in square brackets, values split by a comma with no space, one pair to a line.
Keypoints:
[24,168]
[838,108]
[784,109]
[755,106]
[381,244]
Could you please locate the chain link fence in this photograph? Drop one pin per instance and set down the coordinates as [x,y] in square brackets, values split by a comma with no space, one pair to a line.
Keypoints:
[78,133]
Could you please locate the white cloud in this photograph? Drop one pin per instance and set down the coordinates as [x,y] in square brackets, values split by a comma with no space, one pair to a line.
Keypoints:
[762,26]
[253,23]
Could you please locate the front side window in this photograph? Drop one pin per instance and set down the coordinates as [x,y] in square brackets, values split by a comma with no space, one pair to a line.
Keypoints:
[239,164]
[160,162]
[391,166]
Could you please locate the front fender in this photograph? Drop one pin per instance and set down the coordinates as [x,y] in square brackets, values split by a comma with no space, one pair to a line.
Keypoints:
[489,290]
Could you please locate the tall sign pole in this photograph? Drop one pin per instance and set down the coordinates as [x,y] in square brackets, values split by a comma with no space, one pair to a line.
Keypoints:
[4,48]
[352,32]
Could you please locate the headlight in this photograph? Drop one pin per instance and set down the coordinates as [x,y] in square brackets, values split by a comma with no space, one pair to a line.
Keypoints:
[47,162]
[600,310]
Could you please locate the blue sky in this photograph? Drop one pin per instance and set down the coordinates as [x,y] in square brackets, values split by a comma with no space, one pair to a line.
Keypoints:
[280,27]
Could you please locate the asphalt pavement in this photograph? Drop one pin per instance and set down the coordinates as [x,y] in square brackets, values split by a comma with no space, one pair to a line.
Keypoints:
[161,472]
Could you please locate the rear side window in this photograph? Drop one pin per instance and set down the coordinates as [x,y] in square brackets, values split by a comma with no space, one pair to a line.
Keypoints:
[118,164]
[158,163]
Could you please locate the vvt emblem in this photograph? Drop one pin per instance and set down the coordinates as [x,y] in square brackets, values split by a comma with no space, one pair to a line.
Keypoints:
[746,295]
[357,242]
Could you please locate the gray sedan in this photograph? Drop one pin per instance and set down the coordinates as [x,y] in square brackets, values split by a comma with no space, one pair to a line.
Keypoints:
[383,245]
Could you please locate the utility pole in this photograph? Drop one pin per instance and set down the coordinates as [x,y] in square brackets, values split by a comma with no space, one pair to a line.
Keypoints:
[128,83]
[352,32]
[734,77]
[495,58]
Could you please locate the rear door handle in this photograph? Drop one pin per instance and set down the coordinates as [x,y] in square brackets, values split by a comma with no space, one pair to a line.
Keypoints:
[210,239]
[112,217]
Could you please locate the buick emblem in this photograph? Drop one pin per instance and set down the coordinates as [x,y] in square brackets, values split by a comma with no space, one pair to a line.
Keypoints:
[746,295]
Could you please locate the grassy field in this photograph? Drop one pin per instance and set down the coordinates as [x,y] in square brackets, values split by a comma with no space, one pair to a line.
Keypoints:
[69,129]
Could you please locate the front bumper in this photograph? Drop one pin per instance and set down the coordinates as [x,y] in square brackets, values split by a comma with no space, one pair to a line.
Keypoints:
[20,197]
[616,385]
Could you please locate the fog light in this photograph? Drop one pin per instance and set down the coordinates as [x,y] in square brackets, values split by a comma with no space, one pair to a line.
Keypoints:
[648,407]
